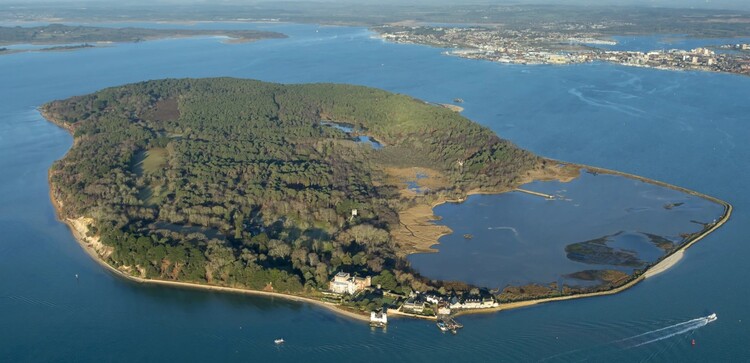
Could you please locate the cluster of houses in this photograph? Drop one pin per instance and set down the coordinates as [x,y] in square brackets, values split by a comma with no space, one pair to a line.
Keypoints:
[443,305]
[417,303]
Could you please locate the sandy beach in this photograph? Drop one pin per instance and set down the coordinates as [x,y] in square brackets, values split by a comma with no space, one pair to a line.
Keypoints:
[399,313]
[96,250]
[454,108]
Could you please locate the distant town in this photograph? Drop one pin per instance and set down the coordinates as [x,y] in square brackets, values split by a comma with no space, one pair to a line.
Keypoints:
[574,44]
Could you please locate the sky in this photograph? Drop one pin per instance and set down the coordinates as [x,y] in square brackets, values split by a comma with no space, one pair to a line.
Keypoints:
[711,4]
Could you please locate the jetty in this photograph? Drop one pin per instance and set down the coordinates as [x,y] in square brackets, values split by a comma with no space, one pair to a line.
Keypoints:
[538,194]
[447,323]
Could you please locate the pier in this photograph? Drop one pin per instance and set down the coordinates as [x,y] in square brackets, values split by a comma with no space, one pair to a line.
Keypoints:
[447,323]
[538,194]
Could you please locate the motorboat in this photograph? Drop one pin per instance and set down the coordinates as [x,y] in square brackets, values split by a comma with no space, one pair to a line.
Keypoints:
[711,318]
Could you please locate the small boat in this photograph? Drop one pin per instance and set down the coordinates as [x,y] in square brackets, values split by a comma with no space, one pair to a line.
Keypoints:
[692,342]
[279,341]
[442,326]
[711,318]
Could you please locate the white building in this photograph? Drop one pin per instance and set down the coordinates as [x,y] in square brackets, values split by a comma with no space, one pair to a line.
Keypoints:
[378,317]
[444,310]
[432,299]
[475,304]
[343,283]
[414,306]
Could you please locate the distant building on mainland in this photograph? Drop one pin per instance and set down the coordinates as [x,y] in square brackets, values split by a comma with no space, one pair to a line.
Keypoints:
[343,283]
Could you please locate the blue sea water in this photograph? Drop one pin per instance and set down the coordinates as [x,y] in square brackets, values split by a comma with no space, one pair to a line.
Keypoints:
[685,128]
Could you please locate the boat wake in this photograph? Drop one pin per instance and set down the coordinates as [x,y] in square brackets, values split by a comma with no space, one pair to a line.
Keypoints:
[503,228]
[668,332]
[634,341]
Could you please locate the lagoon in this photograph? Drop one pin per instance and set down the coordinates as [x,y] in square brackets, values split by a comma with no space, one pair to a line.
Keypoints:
[521,239]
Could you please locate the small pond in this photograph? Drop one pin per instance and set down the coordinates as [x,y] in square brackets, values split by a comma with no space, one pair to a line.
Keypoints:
[354,134]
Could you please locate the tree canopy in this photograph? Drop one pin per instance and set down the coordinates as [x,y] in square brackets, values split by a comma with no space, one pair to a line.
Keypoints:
[239,183]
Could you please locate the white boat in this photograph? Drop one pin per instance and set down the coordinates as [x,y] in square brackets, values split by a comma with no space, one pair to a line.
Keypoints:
[279,341]
[441,325]
[711,318]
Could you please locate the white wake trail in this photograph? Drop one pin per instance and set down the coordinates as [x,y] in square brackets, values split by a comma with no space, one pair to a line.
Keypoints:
[504,228]
[634,341]
[681,331]
[667,332]
[515,232]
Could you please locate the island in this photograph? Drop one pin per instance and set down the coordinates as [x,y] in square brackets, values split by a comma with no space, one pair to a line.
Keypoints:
[314,192]
[68,37]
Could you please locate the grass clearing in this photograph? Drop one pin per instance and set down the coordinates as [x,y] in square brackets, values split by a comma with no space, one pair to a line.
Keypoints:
[150,162]
[155,160]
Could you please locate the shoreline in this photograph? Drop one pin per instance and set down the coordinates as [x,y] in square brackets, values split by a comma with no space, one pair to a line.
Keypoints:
[85,244]
[666,262]
[421,217]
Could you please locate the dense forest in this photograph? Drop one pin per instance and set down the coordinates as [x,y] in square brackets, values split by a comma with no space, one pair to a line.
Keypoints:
[240,182]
